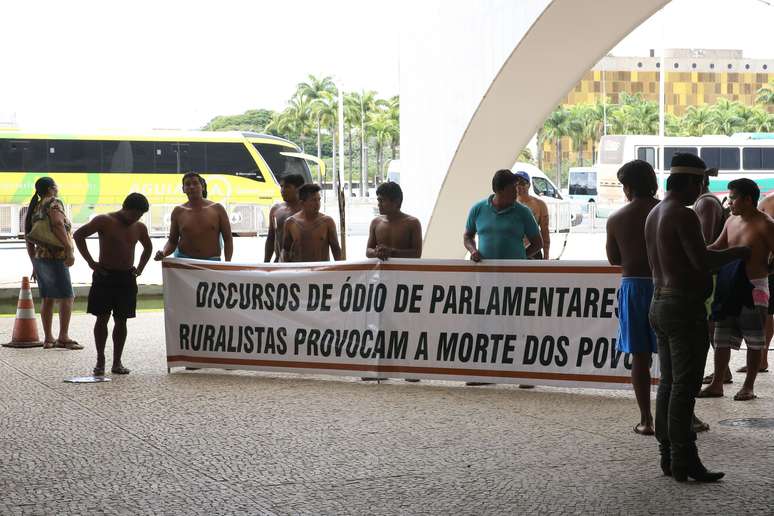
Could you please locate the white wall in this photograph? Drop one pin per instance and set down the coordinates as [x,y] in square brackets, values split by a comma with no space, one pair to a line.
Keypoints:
[449,53]
[476,80]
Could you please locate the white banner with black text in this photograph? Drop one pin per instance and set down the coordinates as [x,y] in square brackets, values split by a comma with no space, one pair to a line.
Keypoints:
[526,322]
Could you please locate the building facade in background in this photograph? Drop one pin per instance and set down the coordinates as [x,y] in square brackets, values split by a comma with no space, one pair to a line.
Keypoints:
[694,77]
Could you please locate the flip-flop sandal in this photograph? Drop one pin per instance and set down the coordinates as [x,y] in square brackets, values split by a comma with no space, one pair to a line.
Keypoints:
[99,371]
[637,430]
[120,370]
[68,344]
[49,344]
[708,379]
[748,396]
[708,394]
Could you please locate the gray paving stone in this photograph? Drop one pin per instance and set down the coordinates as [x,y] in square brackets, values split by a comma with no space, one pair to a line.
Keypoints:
[238,442]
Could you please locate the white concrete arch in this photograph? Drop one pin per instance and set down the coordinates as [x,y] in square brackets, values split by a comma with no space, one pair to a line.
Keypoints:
[555,45]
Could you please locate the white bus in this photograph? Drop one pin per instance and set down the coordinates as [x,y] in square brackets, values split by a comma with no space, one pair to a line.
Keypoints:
[748,155]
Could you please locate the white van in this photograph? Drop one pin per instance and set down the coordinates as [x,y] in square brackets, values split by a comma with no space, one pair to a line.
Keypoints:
[560,214]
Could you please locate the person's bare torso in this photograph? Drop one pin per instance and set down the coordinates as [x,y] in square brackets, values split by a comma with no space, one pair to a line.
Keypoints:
[396,233]
[627,226]
[310,238]
[670,264]
[538,208]
[752,232]
[767,205]
[117,242]
[199,230]
[281,214]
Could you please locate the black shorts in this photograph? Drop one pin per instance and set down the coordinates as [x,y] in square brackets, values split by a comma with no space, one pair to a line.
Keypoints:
[114,292]
[771,294]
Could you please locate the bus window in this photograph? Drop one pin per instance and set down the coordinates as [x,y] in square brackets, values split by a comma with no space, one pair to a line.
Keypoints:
[191,157]
[11,155]
[722,158]
[165,158]
[142,157]
[73,156]
[280,165]
[116,156]
[231,158]
[647,154]
[669,152]
[757,158]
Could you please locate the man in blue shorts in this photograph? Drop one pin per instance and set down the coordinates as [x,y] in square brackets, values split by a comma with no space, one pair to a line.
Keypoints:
[626,247]
[502,225]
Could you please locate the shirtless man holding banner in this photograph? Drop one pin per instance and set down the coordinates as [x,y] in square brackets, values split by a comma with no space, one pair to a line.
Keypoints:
[310,234]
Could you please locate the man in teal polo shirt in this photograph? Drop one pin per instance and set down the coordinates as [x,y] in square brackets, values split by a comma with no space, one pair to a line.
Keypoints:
[501,224]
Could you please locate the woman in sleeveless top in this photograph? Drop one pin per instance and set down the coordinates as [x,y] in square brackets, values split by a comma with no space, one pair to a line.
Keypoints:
[51,264]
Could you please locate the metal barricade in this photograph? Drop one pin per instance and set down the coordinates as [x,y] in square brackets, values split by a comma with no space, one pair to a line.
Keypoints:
[9,223]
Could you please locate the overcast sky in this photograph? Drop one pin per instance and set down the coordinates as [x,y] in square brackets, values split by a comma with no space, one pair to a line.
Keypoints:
[174,64]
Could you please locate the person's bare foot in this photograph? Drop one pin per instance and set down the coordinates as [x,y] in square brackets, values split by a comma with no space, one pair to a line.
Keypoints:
[709,392]
[763,368]
[644,429]
[119,369]
[744,395]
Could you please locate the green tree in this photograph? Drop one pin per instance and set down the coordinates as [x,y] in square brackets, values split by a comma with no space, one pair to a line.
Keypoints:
[384,131]
[696,121]
[725,117]
[759,121]
[525,156]
[393,110]
[367,102]
[351,122]
[313,90]
[556,127]
[576,128]
[765,95]
[251,120]
[325,112]
[295,121]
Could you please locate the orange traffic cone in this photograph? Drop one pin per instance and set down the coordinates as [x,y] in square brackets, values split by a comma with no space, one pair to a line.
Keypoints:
[25,327]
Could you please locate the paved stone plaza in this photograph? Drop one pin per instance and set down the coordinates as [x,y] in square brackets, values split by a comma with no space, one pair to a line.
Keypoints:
[235,442]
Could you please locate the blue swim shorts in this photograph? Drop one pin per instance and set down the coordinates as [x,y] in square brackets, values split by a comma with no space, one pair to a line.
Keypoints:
[53,278]
[634,332]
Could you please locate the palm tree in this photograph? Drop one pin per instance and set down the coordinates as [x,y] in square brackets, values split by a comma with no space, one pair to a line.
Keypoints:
[325,109]
[384,130]
[367,102]
[312,90]
[696,121]
[393,109]
[765,95]
[725,117]
[295,121]
[595,119]
[556,127]
[351,121]
[760,121]
[577,128]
